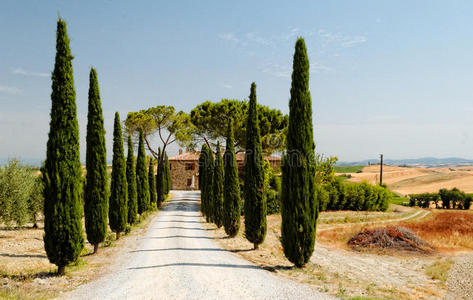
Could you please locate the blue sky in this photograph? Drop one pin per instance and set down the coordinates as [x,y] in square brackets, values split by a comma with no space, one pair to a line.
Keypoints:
[392,77]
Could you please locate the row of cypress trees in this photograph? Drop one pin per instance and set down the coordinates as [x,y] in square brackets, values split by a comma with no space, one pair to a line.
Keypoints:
[130,192]
[300,207]
[220,187]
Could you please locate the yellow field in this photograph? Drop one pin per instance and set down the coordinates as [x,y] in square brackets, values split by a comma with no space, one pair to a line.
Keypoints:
[413,180]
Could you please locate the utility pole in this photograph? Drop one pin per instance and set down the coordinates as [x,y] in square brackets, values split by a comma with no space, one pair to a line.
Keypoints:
[381,170]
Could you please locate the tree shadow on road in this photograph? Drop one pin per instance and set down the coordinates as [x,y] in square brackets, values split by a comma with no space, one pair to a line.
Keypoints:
[185,228]
[178,221]
[178,236]
[179,249]
[198,265]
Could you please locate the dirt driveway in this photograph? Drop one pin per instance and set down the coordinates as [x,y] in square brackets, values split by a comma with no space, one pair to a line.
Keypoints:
[178,259]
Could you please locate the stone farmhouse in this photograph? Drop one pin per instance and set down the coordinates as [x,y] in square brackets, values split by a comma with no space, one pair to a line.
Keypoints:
[185,168]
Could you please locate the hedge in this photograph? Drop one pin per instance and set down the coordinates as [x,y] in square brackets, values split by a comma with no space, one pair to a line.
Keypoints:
[453,198]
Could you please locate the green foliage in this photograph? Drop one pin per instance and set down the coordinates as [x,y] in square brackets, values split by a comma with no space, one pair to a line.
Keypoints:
[218,180]
[167,174]
[131,182]
[348,169]
[202,178]
[254,191]
[63,233]
[273,197]
[363,196]
[399,199]
[95,197]
[17,186]
[299,203]
[152,184]
[453,198]
[118,210]
[162,120]
[142,185]
[210,122]
[208,190]
[231,187]
[160,179]
[36,200]
[324,168]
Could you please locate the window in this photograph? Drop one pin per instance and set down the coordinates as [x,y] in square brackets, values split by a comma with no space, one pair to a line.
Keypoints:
[190,167]
[189,181]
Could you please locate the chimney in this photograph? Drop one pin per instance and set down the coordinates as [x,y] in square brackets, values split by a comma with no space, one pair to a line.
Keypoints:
[180,151]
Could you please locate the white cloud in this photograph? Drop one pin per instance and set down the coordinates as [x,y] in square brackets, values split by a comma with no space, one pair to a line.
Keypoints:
[10,90]
[277,70]
[342,40]
[227,86]
[229,37]
[353,41]
[21,71]
[318,67]
[255,38]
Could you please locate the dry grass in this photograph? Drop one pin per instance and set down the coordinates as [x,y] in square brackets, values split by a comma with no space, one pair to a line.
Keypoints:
[439,270]
[332,270]
[416,180]
[446,230]
[25,272]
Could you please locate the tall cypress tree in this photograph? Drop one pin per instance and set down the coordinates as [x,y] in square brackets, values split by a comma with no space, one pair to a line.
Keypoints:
[118,210]
[299,204]
[202,177]
[168,173]
[255,198]
[63,233]
[218,188]
[160,179]
[231,187]
[142,185]
[95,200]
[209,181]
[131,180]
[152,184]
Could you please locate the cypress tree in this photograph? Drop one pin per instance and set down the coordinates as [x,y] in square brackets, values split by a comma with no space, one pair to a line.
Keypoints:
[131,181]
[160,179]
[299,204]
[63,233]
[168,173]
[152,184]
[95,198]
[142,185]
[202,177]
[231,187]
[218,188]
[209,174]
[118,210]
[255,198]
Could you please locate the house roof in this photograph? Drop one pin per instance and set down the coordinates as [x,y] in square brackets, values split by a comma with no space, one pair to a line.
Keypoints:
[194,156]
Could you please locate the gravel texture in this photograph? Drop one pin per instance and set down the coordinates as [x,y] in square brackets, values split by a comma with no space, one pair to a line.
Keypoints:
[460,279]
[177,259]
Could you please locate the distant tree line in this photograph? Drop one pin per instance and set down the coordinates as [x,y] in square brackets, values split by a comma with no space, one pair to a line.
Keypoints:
[446,199]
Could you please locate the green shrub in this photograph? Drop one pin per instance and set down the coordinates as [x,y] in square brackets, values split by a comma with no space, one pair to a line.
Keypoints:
[363,196]
[17,184]
[423,200]
[36,201]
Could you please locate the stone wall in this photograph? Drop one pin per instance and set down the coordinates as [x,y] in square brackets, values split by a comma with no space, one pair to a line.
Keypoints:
[184,174]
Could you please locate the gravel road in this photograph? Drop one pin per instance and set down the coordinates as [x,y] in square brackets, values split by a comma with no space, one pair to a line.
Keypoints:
[177,259]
